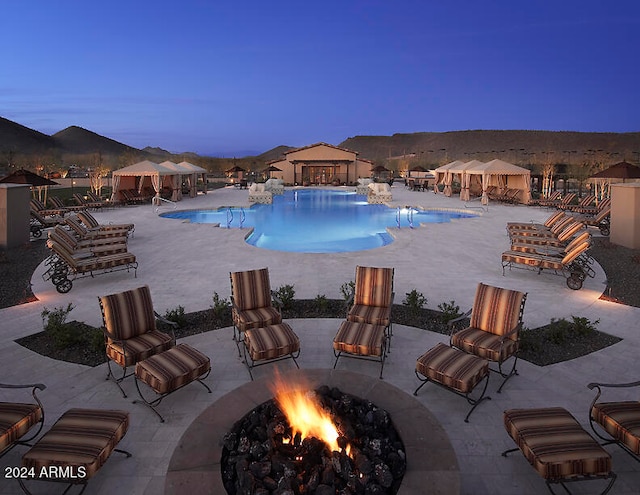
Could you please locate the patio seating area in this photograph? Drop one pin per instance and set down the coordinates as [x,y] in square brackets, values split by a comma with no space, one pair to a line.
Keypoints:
[184,264]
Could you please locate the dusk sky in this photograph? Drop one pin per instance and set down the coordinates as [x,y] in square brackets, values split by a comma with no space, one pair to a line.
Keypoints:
[233,77]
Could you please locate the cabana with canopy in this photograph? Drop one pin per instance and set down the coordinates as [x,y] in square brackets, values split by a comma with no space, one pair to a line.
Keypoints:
[188,170]
[501,174]
[460,169]
[444,177]
[141,175]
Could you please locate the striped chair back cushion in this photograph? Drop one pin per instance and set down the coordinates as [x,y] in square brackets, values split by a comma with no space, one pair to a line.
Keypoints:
[571,230]
[575,252]
[37,205]
[251,289]
[88,219]
[75,224]
[63,238]
[496,310]
[128,313]
[374,286]
[602,214]
[554,218]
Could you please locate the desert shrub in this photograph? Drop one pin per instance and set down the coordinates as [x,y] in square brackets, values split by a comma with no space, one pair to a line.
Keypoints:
[414,300]
[221,306]
[322,303]
[177,316]
[348,289]
[559,331]
[284,296]
[55,323]
[450,311]
[583,326]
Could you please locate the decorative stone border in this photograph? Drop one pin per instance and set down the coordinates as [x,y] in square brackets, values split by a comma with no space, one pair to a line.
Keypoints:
[431,461]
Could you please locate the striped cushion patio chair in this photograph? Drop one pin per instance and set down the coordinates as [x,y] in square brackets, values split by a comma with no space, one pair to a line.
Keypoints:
[257,323]
[17,419]
[93,225]
[494,328]
[130,330]
[373,297]
[620,420]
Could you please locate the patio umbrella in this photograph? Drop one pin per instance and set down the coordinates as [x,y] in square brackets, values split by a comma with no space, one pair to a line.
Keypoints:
[23,176]
[622,170]
[234,170]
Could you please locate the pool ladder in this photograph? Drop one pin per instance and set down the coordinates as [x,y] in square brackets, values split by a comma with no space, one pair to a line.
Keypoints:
[230,217]
[410,211]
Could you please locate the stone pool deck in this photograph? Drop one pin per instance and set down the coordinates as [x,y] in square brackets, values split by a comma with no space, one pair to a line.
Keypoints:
[184,264]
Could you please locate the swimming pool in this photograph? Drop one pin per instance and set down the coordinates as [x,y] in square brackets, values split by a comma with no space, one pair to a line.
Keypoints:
[319,221]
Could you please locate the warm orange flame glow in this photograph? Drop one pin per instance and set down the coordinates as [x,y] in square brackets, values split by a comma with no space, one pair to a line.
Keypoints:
[304,414]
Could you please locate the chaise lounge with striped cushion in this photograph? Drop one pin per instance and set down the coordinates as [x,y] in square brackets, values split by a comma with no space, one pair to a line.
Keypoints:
[18,418]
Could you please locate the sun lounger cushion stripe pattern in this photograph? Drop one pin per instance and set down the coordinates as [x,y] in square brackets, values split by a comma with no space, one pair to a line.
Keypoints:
[374,286]
[555,444]
[362,339]
[251,289]
[170,370]
[370,314]
[80,438]
[496,310]
[452,368]
[95,263]
[271,341]
[621,420]
[16,420]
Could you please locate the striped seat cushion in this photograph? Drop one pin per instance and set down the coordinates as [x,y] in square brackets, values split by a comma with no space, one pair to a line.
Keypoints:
[80,438]
[134,349]
[375,315]
[453,368]
[363,339]
[257,318]
[16,420]
[270,342]
[104,262]
[621,420]
[555,444]
[172,369]
[484,344]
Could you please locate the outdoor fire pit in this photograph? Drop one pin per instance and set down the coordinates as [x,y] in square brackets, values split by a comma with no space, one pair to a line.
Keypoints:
[317,442]
[386,442]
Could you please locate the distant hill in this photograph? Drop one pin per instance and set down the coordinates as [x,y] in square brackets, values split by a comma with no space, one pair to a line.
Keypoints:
[75,139]
[516,146]
[15,138]
[275,153]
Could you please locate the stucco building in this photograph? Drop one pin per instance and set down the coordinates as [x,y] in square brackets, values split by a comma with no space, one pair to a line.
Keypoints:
[321,163]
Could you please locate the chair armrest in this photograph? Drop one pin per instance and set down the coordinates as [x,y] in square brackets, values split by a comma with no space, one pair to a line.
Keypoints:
[172,324]
[451,323]
[39,386]
[277,302]
[507,335]
[593,385]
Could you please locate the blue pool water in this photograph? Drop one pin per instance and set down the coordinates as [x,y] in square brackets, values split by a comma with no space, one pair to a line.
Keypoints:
[318,221]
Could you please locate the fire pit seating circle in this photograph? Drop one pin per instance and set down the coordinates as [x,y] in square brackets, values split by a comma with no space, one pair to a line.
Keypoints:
[197,464]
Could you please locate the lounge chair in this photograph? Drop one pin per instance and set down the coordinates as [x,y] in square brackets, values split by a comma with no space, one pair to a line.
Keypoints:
[93,226]
[544,201]
[94,198]
[594,210]
[548,223]
[601,220]
[87,204]
[552,250]
[561,239]
[84,233]
[562,202]
[555,229]
[257,324]
[130,331]
[38,222]
[582,204]
[65,267]
[619,420]
[39,207]
[56,202]
[366,333]
[86,248]
[575,266]
[17,418]
[494,328]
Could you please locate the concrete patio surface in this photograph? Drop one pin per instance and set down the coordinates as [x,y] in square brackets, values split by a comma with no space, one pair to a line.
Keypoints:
[184,264]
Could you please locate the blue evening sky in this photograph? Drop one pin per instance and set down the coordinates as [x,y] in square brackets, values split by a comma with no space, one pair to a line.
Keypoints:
[222,77]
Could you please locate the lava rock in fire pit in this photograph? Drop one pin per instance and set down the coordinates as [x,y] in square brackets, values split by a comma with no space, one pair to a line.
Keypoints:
[263,456]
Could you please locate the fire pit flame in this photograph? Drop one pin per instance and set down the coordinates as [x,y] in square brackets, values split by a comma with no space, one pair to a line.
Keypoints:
[305,415]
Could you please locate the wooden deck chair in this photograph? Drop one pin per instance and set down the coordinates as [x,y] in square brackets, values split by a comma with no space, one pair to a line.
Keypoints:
[257,323]
[620,421]
[494,328]
[130,330]
[17,418]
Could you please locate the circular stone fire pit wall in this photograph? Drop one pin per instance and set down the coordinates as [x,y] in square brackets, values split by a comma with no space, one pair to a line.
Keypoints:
[195,466]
